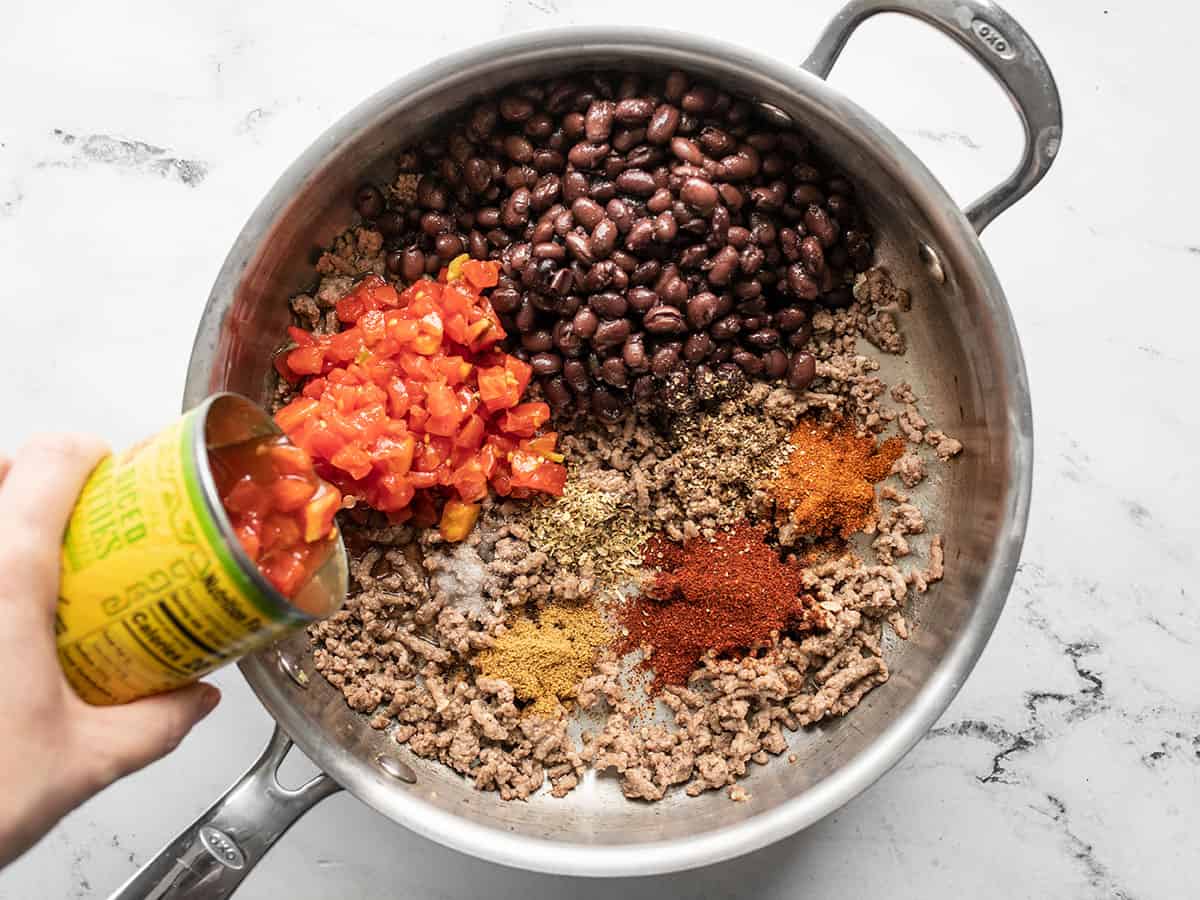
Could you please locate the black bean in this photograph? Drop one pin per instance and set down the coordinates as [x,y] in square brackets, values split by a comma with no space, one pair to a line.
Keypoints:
[576,375]
[698,100]
[608,305]
[549,250]
[665,227]
[369,202]
[599,120]
[515,109]
[750,363]
[801,336]
[585,323]
[412,264]
[664,319]
[818,222]
[751,260]
[449,246]
[626,262]
[545,363]
[516,211]
[801,370]
[775,363]
[790,318]
[801,283]
[741,165]
[665,359]
[641,234]
[697,347]
[600,275]
[763,339]
[676,85]
[434,224]
[611,333]
[748,290]
[634,110]
[566,339]
[687,150]
[634,353]
[723,266]
[604,238]
[580,247]
[699,194]
[390,222]
[539,126]
[606,405]
[693,256]
[602,190]
[812,256]
[789,243]
[556,392]
[660,201]
[641,299]
[587,155]
[562,282]
[638,182]
[614,372]
[663,123]
[730,195]
[621,213]
[702,309]
[483,121]
[727,328]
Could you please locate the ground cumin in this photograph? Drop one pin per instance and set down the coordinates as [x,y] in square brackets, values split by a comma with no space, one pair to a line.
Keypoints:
[544,659]
[827,484]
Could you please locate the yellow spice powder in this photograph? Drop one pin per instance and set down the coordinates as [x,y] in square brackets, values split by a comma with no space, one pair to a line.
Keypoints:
[544,659]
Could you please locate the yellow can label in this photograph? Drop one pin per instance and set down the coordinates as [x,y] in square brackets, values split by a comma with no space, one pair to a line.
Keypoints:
[151,596]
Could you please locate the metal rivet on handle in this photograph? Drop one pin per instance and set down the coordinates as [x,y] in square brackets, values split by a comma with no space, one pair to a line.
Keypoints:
[774,114]
[396,769]
[291,669]
[933,262]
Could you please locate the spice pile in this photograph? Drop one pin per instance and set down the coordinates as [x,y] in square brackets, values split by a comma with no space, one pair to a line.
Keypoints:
[727,596]
[709,333]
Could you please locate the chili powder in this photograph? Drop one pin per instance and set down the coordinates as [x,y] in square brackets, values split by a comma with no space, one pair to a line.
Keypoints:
[827,484]
[726,595]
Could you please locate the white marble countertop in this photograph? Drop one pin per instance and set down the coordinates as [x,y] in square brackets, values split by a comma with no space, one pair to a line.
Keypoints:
[136,138]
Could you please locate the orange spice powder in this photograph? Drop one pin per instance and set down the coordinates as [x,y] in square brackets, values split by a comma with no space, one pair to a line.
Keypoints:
[827,484]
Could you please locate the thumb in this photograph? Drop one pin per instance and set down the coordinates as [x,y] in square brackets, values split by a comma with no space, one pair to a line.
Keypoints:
[125,738]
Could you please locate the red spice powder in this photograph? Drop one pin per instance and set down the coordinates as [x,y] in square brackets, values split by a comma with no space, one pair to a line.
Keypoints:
[726,595]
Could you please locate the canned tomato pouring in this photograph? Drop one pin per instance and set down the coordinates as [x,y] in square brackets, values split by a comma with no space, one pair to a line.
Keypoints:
[209,540]
[963,360]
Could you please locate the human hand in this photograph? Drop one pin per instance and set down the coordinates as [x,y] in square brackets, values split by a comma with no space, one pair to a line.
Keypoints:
[57,751]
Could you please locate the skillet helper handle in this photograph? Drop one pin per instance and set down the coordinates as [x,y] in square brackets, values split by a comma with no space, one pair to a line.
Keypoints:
[1002,47]
[211,857]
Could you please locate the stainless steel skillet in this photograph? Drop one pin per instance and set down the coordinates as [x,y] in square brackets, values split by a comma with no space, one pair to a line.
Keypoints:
[964,359]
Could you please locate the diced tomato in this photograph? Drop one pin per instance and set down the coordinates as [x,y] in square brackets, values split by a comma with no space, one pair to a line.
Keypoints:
[498,388]
[481,275]
[532,471]
[291,492]
[306,360]
[247,499]
[525,418]
[412,405]
[458,518]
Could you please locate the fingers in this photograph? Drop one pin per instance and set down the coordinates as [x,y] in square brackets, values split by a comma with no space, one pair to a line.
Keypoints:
[44,481]
[5,465]
[123,739]
[36,497]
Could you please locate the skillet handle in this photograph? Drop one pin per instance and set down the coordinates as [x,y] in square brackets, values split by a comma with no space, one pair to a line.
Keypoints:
[1002,47]
[211,857]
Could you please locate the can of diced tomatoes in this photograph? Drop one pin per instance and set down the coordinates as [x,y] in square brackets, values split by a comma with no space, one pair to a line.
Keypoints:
[156,588]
